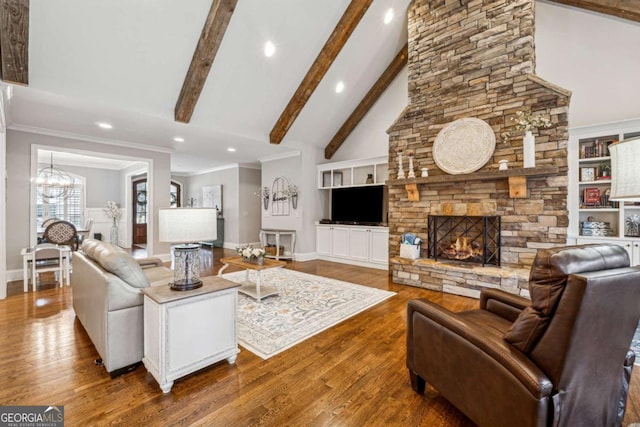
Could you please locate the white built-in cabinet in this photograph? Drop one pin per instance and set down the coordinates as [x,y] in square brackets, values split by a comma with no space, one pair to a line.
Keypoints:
[353,173]
[632,246]
[589,186]
[353,244]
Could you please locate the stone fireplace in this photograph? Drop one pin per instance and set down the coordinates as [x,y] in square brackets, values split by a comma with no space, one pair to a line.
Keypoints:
[472,239]
[476,58]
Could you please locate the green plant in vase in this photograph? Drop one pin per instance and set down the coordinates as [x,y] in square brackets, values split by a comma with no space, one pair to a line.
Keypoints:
[605,170]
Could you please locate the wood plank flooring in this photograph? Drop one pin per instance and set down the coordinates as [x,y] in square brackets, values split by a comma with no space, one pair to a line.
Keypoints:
[353,374]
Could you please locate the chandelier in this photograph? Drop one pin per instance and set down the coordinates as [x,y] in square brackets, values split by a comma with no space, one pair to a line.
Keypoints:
[53,184]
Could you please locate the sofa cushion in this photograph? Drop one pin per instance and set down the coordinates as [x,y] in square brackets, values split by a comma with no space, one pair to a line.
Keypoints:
[125,267]
[548,278]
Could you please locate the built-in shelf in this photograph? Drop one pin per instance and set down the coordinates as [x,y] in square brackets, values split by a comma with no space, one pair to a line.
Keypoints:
[517,180]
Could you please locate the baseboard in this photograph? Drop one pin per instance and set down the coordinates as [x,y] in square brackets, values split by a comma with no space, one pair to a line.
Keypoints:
[14,275]
[354,262]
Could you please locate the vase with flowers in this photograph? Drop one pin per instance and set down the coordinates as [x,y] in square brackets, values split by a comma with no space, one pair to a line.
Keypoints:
[111,210]
[291,192]
[525,121]
[249,253]
[264,194]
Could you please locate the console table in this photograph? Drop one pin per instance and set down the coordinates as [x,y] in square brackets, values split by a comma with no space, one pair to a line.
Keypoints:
[185,331]
[264,240]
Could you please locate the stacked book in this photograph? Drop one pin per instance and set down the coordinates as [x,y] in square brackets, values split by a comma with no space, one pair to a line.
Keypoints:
[596,228]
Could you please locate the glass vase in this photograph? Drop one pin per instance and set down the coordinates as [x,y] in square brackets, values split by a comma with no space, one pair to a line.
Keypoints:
[113,237]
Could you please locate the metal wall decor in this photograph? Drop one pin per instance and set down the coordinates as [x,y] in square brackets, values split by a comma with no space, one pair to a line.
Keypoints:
[279,197]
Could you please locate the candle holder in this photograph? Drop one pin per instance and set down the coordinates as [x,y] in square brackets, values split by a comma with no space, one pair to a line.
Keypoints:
[400,169]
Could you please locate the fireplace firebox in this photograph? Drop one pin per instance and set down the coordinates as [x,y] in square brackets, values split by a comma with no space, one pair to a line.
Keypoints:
[474,239]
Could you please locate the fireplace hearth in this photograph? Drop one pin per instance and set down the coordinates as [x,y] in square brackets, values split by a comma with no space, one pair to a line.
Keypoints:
[473,239]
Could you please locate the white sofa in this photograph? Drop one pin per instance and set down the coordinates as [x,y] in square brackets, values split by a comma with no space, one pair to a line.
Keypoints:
[106,283]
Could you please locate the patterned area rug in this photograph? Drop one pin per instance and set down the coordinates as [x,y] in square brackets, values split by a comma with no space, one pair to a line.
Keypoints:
[305,306]
[635,345]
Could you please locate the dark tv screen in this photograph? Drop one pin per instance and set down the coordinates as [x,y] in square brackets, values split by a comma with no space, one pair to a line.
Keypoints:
[358,204]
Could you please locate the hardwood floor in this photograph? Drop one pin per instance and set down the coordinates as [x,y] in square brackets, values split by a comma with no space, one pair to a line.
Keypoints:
[353,374]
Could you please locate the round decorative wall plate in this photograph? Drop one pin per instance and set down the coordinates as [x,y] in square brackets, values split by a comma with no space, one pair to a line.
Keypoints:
[464,146]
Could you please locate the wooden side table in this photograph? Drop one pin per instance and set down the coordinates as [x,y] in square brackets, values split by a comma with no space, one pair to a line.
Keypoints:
[257,290]
[188,330]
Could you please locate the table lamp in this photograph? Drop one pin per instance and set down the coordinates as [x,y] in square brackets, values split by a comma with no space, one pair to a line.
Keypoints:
[625,174]
[185,226]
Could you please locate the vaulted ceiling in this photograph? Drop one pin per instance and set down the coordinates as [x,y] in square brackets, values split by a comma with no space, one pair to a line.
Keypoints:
[196,69]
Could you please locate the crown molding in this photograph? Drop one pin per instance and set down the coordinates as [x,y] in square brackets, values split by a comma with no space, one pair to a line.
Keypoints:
[80,137]
[279,156]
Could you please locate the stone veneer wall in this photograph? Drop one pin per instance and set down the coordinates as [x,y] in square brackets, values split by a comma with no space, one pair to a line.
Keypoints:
[476,58]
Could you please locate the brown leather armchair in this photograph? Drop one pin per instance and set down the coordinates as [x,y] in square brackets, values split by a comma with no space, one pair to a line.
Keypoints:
[561,359]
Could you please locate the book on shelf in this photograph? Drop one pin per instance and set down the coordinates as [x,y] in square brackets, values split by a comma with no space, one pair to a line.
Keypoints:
[591,196]
[598,148]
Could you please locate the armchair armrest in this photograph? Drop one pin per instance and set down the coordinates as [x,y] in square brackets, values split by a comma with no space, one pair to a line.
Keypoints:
[515,362]
[149,262]
[503,304]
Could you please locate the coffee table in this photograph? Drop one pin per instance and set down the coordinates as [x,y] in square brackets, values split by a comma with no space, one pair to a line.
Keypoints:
[257,289]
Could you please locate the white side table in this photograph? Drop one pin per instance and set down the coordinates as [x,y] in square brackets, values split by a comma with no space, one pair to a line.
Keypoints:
[188,330]
[264,240]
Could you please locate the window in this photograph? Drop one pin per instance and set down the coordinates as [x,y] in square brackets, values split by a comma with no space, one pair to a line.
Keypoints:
[70,209]
[174,194]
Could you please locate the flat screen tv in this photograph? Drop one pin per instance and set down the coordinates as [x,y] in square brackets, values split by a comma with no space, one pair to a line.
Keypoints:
[358,204]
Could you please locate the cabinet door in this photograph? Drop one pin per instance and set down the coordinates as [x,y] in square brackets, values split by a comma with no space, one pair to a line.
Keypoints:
[323,240]
[379,251]
[359,244]
[340,242]
[635,253]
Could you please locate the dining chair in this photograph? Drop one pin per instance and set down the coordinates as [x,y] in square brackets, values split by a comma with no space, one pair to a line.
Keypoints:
[48,221]
[62,233]
[47,257]
[87,231]
[45,224]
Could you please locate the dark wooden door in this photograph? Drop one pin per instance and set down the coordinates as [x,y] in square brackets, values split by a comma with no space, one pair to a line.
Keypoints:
[140,212]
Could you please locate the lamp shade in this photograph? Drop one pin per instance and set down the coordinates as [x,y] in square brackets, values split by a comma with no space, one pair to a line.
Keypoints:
[625,172]
[184,225]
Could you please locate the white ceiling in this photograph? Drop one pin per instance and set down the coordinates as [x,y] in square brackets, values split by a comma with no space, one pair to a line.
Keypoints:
[124,63]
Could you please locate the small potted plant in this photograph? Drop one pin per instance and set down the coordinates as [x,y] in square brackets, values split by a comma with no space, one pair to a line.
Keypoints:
[605,171]
[264,194]
[251,254]
[292,193]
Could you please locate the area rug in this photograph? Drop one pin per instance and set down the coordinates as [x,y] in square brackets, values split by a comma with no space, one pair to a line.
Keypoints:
[635,345]
[305,306]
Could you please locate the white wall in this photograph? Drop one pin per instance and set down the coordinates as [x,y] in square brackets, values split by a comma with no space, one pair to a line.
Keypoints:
[249,206]
[239,207]
[369,138]
[593,55]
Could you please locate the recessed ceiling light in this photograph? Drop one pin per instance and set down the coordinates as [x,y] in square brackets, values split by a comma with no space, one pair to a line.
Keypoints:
[178,139]
[104,125]
[269,49]
[388,17]
[231,149]
[339,87]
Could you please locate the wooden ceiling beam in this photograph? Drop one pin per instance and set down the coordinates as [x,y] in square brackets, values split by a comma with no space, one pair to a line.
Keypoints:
[368,101]
[338,38]
[14,41]
[203,57]
[626,9]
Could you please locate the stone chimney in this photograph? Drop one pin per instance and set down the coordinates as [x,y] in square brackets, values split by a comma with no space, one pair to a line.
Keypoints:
[476,58]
